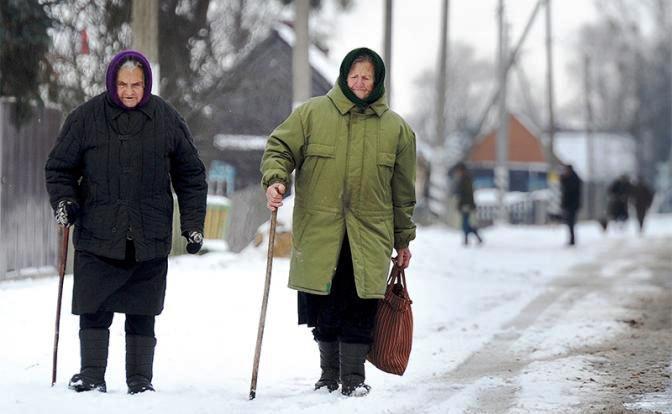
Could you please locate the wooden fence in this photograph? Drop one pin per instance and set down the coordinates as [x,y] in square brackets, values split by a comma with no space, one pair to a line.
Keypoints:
[28,233]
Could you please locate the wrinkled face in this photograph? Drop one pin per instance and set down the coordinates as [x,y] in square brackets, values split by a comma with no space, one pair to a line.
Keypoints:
[360,79]
[130,86]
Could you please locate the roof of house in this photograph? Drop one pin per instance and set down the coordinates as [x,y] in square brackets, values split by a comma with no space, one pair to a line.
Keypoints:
[228,142]
[524,145]
[318,60]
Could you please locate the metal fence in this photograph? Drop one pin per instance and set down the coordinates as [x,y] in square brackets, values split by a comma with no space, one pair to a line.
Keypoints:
[28,234]
[529,208]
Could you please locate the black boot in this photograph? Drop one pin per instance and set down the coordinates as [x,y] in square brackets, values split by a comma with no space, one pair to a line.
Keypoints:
[93,345]
[139,363]
[353,357]
[329,362]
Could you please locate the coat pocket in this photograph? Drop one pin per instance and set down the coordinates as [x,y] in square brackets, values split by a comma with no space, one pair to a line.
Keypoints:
[317,170]
[320,150]
[157,217]
[386,159]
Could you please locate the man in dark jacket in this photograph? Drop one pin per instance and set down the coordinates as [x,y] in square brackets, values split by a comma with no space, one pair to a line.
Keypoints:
[464,190]
[571,198]
[110,175]
[619,193]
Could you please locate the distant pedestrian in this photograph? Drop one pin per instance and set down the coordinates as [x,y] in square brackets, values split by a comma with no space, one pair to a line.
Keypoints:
[642,197]
[110,175]
[464,191]
[618,194]
[571,199]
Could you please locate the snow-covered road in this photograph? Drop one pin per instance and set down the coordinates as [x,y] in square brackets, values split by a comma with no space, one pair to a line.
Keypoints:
[517,325]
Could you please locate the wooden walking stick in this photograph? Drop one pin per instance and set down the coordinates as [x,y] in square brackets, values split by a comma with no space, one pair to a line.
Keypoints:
[61,275]
[264,304]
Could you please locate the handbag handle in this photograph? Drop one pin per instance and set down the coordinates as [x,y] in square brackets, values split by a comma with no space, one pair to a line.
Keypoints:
[397,275]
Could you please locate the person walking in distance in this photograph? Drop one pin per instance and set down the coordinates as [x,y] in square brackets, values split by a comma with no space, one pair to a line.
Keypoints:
[464,191]
[570,185]
[110,175]
[354,160]
[642,197]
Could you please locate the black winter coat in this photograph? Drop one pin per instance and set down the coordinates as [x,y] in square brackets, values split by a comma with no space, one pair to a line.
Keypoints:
[121,179]
[464,190]
[571,191]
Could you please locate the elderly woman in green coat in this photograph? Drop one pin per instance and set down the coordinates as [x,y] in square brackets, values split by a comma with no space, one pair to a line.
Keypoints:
[354,161]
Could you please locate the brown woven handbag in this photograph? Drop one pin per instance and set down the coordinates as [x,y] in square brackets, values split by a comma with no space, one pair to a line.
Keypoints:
[393,332]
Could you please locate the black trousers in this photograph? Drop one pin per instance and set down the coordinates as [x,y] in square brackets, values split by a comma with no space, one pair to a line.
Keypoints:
[570,219]
[142,325]
[341,315]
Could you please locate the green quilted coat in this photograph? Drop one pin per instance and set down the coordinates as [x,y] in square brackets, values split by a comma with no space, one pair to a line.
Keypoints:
[355,172]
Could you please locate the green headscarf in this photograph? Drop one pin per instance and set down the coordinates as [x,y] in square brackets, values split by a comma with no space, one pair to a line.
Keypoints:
[379,76]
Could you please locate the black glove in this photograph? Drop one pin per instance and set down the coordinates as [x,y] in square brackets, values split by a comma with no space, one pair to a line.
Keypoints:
[194,241]
[66,212]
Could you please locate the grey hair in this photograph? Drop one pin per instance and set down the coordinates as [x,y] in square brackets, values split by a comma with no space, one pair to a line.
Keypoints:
[363,58]
[131,64]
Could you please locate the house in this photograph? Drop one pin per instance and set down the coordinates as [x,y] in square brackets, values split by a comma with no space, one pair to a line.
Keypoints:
[527,162]
[613,155]
[257,97]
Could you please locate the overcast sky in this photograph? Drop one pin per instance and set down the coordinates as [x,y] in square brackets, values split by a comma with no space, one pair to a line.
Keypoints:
[416,37]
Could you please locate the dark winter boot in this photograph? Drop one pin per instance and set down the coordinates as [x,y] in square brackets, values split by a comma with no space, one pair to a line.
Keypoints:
[93,345]
[353,357]
[139,363]
[329,363]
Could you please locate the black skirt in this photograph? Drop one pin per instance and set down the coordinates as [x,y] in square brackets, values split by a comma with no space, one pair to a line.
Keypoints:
[342,313]
[123,286]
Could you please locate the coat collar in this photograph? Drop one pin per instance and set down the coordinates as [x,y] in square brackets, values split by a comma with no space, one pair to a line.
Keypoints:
[344,105]
[115,110]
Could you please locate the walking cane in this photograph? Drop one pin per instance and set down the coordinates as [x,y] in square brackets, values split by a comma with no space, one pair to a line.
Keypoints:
[61,276]
[264,304]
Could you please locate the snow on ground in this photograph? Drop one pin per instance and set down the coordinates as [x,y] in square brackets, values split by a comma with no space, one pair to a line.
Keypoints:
[463,299]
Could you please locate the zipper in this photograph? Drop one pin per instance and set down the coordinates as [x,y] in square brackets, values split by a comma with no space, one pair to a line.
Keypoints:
[346,195]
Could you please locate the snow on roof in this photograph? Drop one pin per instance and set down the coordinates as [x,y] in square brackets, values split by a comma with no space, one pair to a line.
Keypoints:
[613,154]
[318,60]
[240,142]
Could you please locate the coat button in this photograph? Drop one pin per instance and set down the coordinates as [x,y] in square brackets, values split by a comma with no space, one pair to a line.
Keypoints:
[114,229]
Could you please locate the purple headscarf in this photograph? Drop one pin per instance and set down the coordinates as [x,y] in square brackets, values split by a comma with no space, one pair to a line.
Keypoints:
[113,69]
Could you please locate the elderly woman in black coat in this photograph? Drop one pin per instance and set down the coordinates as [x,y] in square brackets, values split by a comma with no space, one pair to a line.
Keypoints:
[110,174]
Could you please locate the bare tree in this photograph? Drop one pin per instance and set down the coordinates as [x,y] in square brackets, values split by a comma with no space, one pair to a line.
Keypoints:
[469,84]
[631,85]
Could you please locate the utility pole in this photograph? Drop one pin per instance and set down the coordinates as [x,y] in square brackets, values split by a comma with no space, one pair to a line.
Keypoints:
[549,86]
[439,178]
[494,98]
[638,131]
[552,174]
[442,77]
[590,147]
[145,28]
[669,44]
[501,169]
[387,47]
[301,79]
